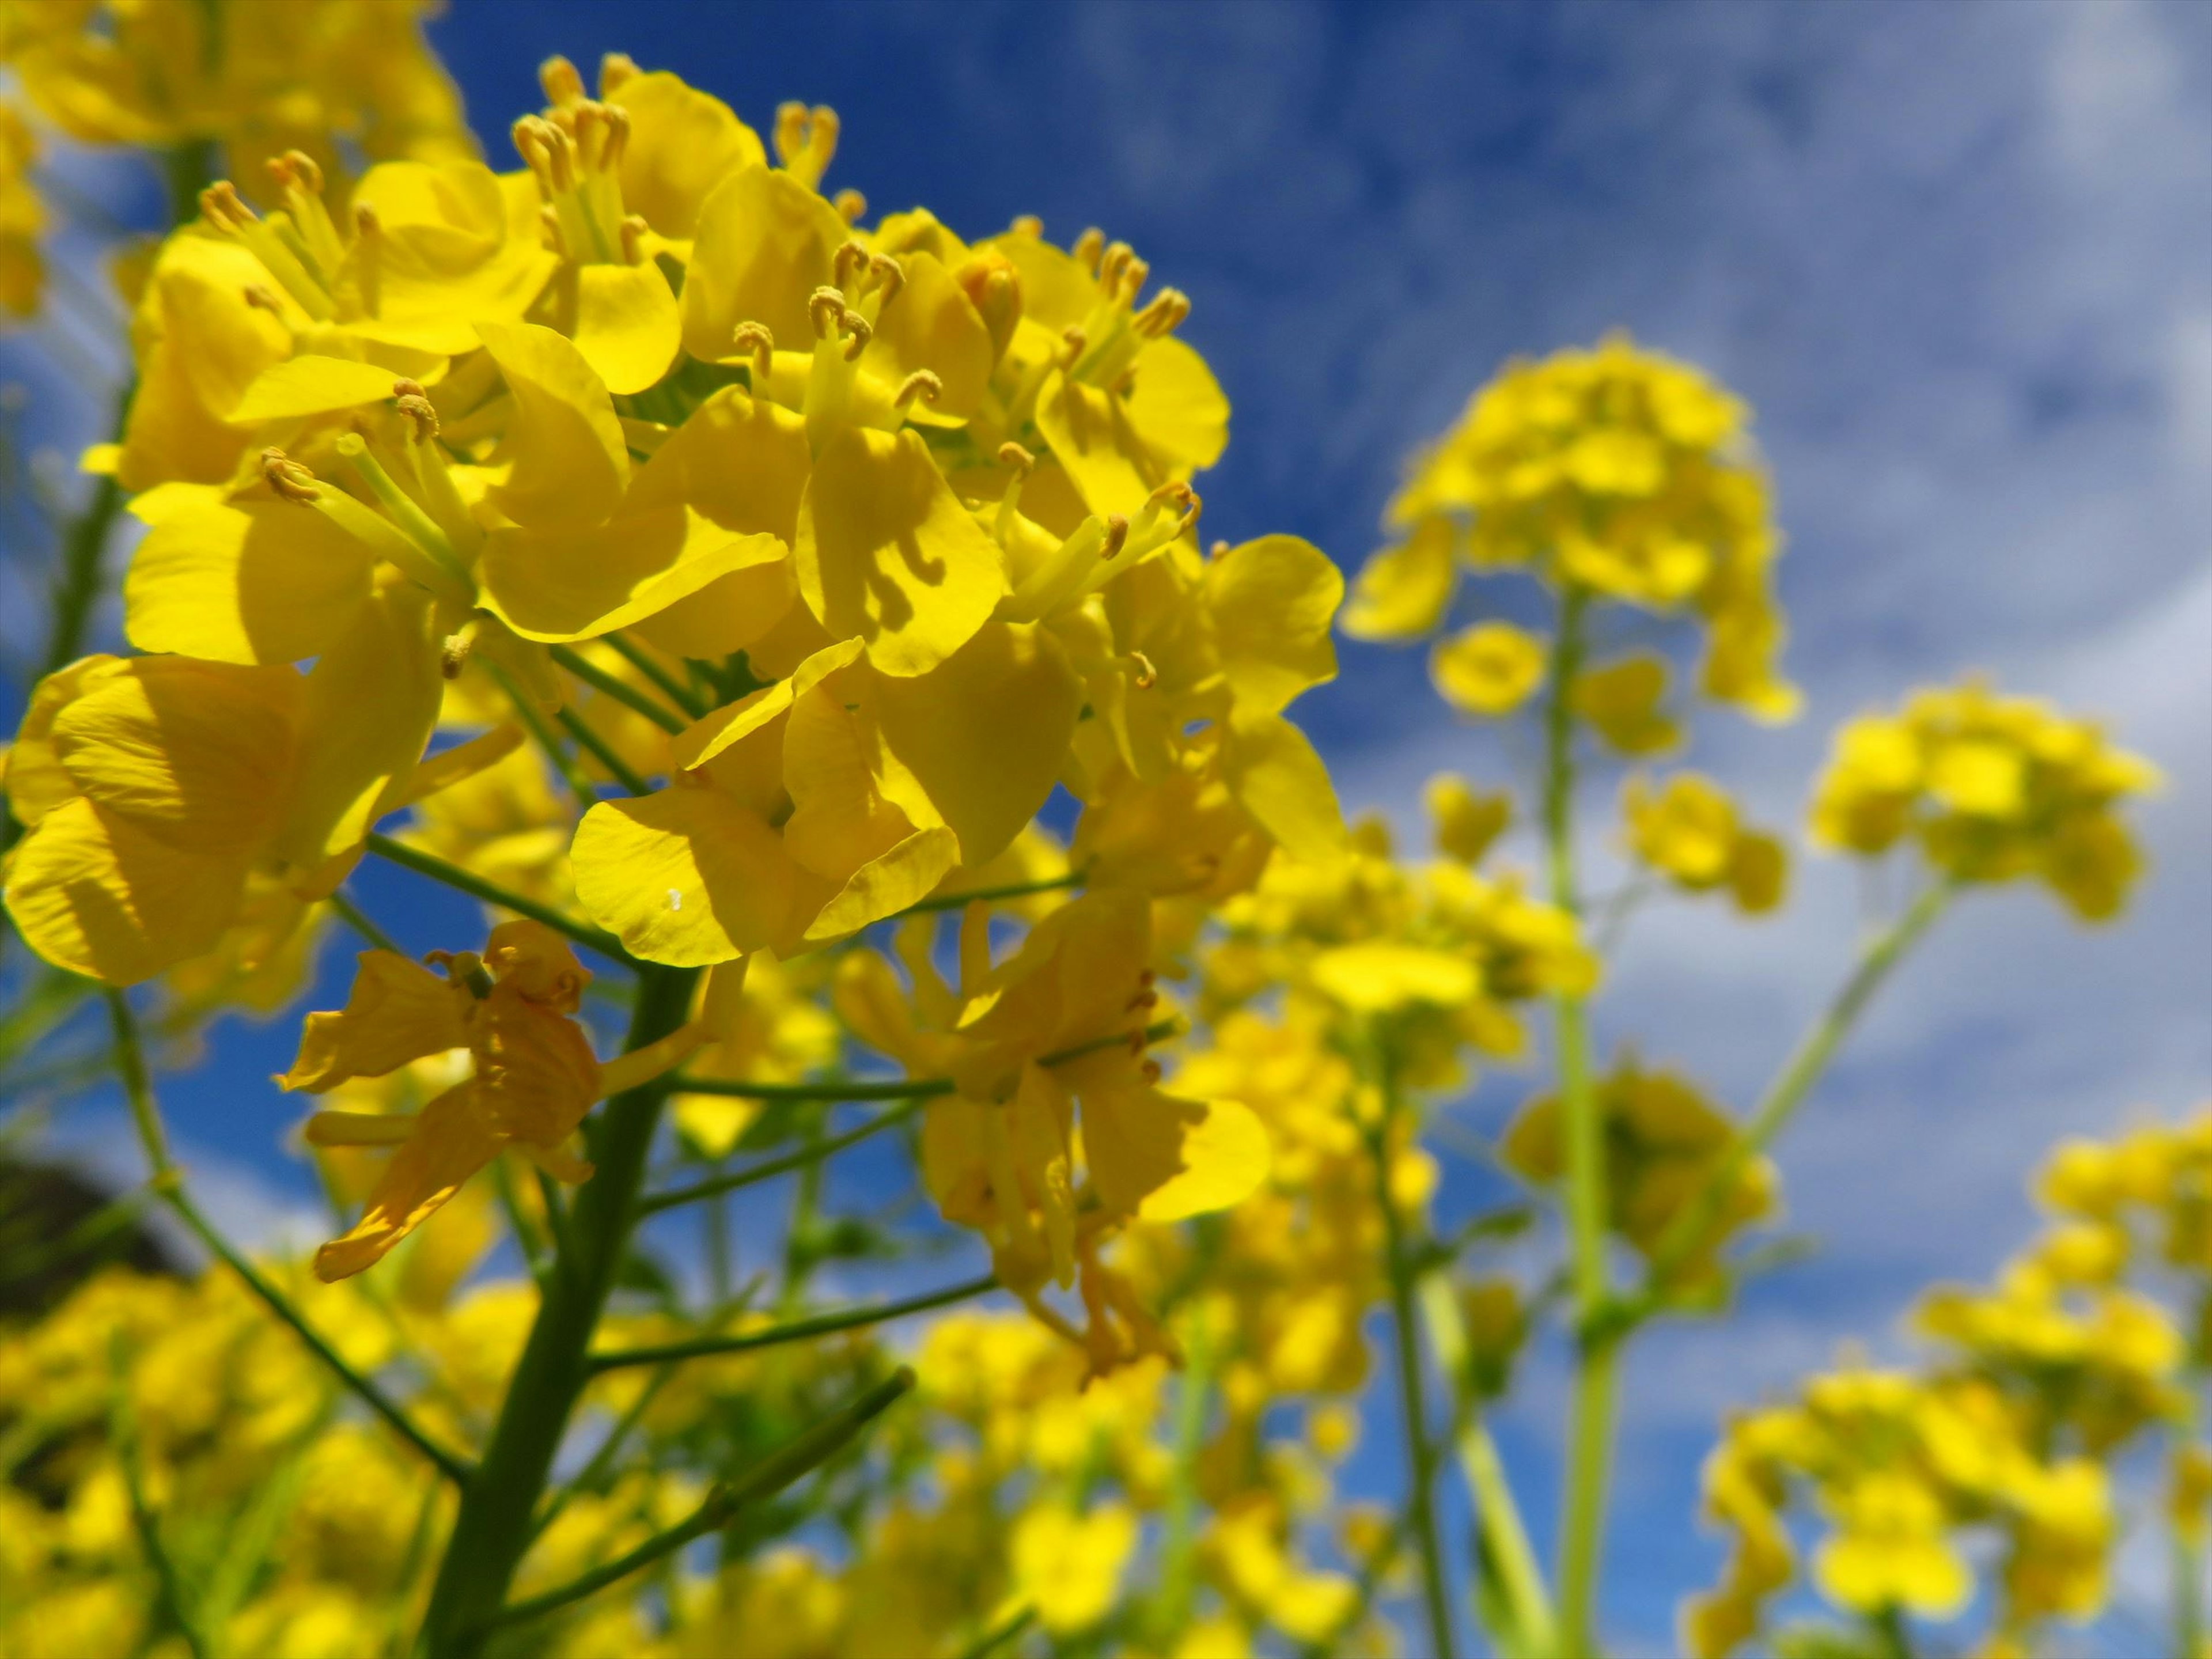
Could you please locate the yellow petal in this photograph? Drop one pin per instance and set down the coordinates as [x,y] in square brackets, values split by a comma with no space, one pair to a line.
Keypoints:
[36,782]
[253,582]
[1379,976]
[686,877]
[452,1141]
[1177,404]
[1272,601]
[931,325]
[93,895]
[905,875]
[197,755]
[885,553]
[1492,668]
[397,1011]
[1161,1158]
[371,703]
[1279,779]
[311,385]
[556,585]
[987,732]
[739,460]
[1103,453]
[570,466]
[1401,592]
[456,246]
[682,143]
[764,244]
[627,326]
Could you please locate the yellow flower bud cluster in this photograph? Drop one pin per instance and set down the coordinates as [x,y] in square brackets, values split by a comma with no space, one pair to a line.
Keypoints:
[1614,473]
[1990,788]
[2014,1432]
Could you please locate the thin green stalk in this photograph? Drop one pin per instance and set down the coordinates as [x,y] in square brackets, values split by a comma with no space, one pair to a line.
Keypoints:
[1002,1636]
[796,1330]
[1505,1558]
[770,1167]
[629,695]
[1693,1223]
[642,659]
[1412,1400]
[2188,1595]
[1011,889]
[168,1181]
[355,918]
[533,722]
[588,1478]
[1589,1444]
[494,1526]
[600,751]
[792,1461]
[1170,1610]
[430,864]
[170,1598]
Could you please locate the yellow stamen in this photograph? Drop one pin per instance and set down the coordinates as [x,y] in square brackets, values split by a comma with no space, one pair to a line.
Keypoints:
[922,383]
[755,338]
[615,68]
[291,481]
[850,206]
[1089,247]
[562,85]
[634,230]
[1026,224]
[1117,535]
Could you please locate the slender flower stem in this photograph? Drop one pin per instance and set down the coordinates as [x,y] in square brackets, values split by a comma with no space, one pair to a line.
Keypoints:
[1002,1636]
[171,1597]
[1693,1225]
[355,918]
[770,1167]
[1171,1609]
[430,864]
[1420,1450]
[629,695]
[986,894]
[1505,1558]
[642,659]
[168,1181]
[600,751]
[802,1455]
[525,710]
[1589,1445]
[494,1526]
[796,1330]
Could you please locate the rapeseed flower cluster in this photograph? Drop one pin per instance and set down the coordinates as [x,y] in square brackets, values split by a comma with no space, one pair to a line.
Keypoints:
[2014,1432]
[1989,788]
[1612,474]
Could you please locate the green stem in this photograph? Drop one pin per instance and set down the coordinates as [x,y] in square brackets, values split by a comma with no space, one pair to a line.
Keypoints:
[642,659]
[170,1597]
[168,1181]
[1506,1559]
[355,918]
[808,1452]
[986,895]
[542,735]
[1693,1225]
[629,695]
[796,1330]
[998,1638]
[1420,1450]
[770,1167]
[1582,1512]
[1179,1545]
[494,1526]
[602,751]
[430,864]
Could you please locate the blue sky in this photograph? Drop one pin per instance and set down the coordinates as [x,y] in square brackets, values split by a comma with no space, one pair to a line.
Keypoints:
[1957,256]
